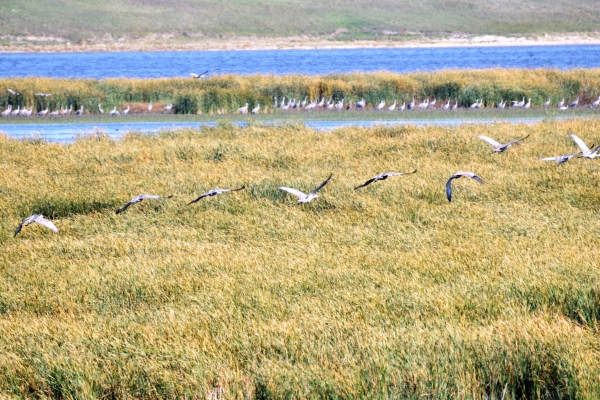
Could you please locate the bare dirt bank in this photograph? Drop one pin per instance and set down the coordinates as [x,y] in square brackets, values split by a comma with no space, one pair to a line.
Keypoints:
[174,42]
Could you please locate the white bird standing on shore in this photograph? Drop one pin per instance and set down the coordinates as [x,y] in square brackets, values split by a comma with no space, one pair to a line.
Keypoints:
[214,192]
[424,105]
[255,109]
[411,105]
[380,106]
[37,219]
[392,107]
[149,107]
[528,105]
[585,151]
[498,147]
[596,103]
[43,112]
[383,177]
[561,103]
[547,103]
[402,107]
[125,111]
[114,112]
[16,112]
[303,197]
[243,110]
[457,175]
[100,109]
[360,104]
[6,112]
[168,107]
[139,198]
[455,105]
[446,106]
[80,111]
[575,103]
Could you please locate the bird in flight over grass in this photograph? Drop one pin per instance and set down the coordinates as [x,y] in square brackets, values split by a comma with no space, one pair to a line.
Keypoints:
[44,94]
[498,147]
[139,198]
[38,219]
[214,192]
[383,177]
[303,197]
[585,151]
[560,159]
[13,92]
[456,176]
[202,75]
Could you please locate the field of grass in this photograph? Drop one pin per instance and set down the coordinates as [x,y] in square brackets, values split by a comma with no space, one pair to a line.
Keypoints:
[227,93]
[363,19]
[387,292]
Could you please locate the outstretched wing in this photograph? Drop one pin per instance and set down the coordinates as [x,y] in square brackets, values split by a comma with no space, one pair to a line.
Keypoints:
[293,191]
[449,188]
[47,223]
[399,173]
[556,158]
[489,141]
[478,179]
[365,184]
[580,143]
[19,228]
[325,182]
[200,198]
[518,140]
[241,188]
[125,207]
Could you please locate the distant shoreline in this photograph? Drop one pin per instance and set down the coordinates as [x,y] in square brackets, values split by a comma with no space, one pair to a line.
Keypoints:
[173,43]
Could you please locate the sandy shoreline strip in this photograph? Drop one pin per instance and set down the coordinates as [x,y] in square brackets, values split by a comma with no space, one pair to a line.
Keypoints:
[174,43]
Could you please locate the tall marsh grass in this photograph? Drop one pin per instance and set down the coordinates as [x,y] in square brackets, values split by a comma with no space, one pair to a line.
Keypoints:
[227,93]
[385,292]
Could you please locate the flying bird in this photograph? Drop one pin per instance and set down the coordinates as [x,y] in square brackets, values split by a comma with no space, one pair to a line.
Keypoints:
[13,92]
[303,197]
[214,192]
[383,177]
[198,76]
[38,219]
[44,94]
[499,148]
[456,176]
[560,159]
[585,151]
[139,198]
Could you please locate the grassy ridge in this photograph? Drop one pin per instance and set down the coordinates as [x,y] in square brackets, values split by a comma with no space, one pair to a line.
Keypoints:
[87,19]
[229,92]
[390,291]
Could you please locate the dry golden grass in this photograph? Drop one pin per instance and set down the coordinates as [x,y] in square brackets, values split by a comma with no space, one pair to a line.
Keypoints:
[386,292]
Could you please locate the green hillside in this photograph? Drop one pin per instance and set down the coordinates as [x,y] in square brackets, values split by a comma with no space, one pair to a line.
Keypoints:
[109,19]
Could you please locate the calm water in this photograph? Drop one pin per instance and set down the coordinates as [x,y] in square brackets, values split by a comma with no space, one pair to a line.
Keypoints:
[65,133]
[169,64]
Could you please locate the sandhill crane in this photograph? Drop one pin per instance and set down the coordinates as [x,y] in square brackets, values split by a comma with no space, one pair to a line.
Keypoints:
[446,106]
[383,177]
[432,103]
[255,109]
[114,112]
[380,106]
[149,108]
[168,107]
[455,105]
[560,159]
[547,103]
[392,107]
[139,198]
[100,109]
[424,105]
[243,110]
[6,112]
[303,197]
[214,192]
[575,103]
[42,113]
[596,103]
[515,103]
[499,148]
[125,111]
[402,107]
[561,103]
[339,105]
[37,219]
[528,105]
[360,104]
[80,111]
[585,151]
[16,112]
[411,105]
[457,175]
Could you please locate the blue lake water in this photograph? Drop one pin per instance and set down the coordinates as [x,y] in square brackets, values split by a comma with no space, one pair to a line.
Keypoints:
[311,62]
[66,133]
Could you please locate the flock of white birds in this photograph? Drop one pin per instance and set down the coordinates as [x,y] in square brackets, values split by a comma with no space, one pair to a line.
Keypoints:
[497,147]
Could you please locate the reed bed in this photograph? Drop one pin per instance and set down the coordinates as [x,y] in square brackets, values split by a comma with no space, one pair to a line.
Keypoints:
[386,292]
[226,93]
